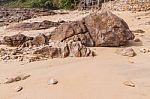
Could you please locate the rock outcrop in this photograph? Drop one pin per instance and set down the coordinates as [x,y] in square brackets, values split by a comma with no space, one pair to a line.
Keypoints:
[98,29]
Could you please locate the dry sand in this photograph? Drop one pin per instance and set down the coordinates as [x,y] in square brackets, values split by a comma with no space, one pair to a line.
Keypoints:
[100,77]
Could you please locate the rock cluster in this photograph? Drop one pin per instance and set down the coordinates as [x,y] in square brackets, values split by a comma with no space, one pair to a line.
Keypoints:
[20,14]
[16,79]
[40,48]
[127,5]
[98,29]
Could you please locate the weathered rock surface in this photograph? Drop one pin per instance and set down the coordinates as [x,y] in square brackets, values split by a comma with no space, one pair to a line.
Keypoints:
[98,29]
[15,40]
[41,39]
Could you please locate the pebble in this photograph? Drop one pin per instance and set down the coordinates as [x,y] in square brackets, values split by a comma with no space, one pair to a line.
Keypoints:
[18,88]
[52,81]
[137,40]
[129,83]
[144,50]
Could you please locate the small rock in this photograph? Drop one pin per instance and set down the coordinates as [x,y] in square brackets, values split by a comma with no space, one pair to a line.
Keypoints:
[137,40]
[23,77]
[144,50]
[129,83]
[52,81]
[18,88]
[9,80]
[138,31]
[18,78]
[131,62]
[128,52]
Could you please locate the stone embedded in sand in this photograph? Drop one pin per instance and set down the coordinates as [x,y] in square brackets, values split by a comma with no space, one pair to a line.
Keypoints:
[138,31]
[98,29]
[15,40]
[18,88]
[144,50]
[52,81]
[137,40]
[129,83]
[126,52]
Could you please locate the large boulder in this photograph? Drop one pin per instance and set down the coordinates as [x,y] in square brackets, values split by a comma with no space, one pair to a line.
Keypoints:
[98,29]
[15,40]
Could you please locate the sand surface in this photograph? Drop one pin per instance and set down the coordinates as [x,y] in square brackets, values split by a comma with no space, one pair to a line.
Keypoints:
[99,77]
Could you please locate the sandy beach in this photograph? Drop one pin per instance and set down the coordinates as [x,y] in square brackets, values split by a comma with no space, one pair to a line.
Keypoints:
[99,77]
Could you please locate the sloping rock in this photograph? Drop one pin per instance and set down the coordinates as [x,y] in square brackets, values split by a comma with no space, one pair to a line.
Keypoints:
[15,40]
[35,25]
[98,29]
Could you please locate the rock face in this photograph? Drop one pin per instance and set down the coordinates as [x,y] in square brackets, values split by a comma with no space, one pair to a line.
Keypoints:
[98,29]
[15,40]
